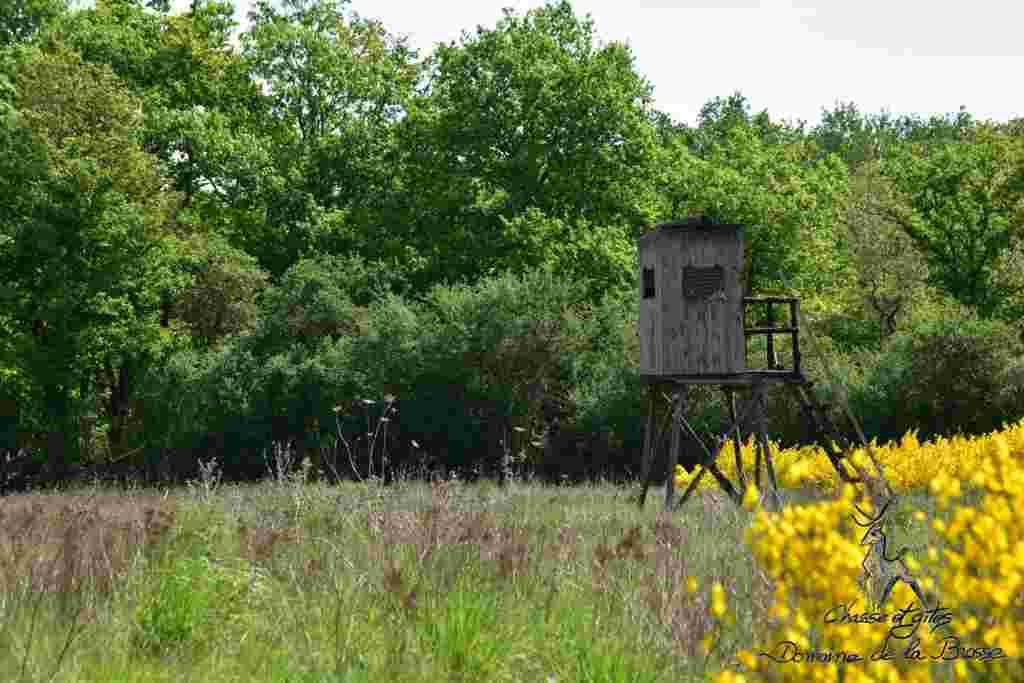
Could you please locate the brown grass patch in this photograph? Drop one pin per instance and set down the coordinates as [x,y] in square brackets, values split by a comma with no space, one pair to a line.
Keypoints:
[65,543]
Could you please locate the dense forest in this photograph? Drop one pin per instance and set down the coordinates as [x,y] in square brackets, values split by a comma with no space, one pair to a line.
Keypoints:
[214,243]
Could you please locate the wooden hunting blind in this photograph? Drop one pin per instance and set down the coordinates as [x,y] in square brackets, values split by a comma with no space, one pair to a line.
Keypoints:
[694,325]
[691,305]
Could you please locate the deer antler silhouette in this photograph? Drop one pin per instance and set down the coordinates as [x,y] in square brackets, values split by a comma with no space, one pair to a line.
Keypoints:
[893,568]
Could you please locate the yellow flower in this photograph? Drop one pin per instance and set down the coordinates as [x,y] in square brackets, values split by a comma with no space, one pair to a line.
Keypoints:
[750,498]
[717,599]
[975,561]
[747,659]
[998,448]
[691,585]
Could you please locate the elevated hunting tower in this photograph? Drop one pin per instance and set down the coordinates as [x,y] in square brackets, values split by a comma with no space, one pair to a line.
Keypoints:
[694,326]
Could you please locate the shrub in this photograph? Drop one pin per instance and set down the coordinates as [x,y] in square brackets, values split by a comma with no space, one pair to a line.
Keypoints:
[958,376]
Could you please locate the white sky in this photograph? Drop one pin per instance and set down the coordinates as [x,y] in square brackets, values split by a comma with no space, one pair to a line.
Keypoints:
[791,57]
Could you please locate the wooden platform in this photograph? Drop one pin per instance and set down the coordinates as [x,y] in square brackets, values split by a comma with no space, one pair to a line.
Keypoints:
[750,378]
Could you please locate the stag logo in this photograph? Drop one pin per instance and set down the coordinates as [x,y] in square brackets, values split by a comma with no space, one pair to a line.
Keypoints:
[887,570]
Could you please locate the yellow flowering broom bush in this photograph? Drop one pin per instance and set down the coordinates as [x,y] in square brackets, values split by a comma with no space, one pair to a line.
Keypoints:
[824,628]
[908,464]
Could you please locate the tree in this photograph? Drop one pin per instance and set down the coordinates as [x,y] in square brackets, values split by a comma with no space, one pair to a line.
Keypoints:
[533,145]
[199,96]
[83,261]
[20,20]
[203,113]
[318,298]
[791,207]
[118,33]
[889,273]
[335,87]
[720,115]
[846,132]
[966,208]
[221,299]
[860,138]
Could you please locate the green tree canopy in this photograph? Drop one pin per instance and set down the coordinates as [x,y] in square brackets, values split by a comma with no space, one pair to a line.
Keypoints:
[335,87]
[791,206]
[534,144]
[966,209]
[20,20]
[83,262]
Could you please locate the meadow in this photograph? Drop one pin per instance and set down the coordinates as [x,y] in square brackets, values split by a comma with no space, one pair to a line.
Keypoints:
[294,580]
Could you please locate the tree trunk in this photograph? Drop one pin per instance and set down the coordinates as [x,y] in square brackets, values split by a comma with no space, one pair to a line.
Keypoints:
[117,409]
[62,435]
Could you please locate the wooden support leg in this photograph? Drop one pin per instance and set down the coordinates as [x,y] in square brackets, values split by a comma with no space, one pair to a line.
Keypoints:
[693,486]
[762,436]
[737,441]
[724,482]
[657,444]
[678,406]
[757,465]
[650,440]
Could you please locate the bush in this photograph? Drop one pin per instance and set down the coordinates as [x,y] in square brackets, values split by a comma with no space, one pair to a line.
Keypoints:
[312,302]
[483,360]
[959,376]
[949,371]
[528,357]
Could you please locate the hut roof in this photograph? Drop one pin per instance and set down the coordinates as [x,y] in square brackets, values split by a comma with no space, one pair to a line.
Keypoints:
[696,223]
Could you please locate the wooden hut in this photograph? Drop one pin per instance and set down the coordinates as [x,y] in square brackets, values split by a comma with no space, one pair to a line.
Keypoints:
[691,301]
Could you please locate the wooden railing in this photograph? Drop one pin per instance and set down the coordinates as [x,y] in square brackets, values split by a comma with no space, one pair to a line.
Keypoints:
[771,329]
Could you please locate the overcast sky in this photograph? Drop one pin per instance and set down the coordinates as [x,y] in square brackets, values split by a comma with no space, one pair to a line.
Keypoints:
[791,57]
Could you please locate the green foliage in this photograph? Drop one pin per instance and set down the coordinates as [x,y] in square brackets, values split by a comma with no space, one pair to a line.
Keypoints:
[960,375]
[119,34]
[84,258]
[336,87]
[465,363]
[888,275]
[859,138]
[202,109]
[966,210]
[530,115]
[180,406]
[720,115]
[321,298]
[221,299]
[790,207]
[187,605]
[1008,278]
[21,20]
[212,247]
[486,358]
[948,371]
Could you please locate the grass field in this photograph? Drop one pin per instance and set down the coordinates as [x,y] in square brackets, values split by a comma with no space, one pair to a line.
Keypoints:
[288,581]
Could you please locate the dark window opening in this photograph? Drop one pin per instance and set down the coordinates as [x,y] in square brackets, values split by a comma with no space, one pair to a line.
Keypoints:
[648,283]
[702,283]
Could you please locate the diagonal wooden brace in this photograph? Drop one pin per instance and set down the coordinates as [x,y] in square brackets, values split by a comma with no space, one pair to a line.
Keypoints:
[824,431]
[710,465]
